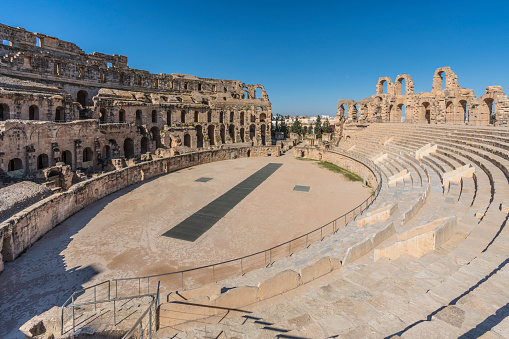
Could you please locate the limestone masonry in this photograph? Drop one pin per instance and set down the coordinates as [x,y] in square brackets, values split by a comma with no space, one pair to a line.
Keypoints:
[447,103]
[91,112]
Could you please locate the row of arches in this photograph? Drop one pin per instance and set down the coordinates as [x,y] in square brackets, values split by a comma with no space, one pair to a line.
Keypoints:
[43,162]
[33,113]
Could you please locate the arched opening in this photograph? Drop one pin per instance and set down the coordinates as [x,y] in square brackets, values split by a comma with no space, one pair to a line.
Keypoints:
[187,140]
[390,114]
[232,116]
[464,111]
[199,136]
[106,152]
[87,157]
[344,110]
[14,165]
[121,116]
[490,103]
[355,113]
[144,145]
[221,117]
[139,118]
[195,116]
[400,114]
[242,134]
[449,117]
[42,161]
[209,116]
[443,78]
[210,134]
[59,114]
[82,98]
[183,116]
[426,112]
[263,134]
[248,153]
[222,134]
[402,86]
[4,112]
[246,95]
[242,118]
[154,116]
[384,87]
[263,116]
[253,118]
[128,148]
[67,157]
[33,113]
[102,115]
[156,136]
[259,93]
[252,132]
[231,132]
[168,118]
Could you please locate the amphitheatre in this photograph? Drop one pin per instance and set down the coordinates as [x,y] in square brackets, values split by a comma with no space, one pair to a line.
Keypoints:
[161,206]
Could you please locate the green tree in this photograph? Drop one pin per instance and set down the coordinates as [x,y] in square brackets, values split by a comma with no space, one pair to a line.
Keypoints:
[326,128]
[296,127]
[318,127]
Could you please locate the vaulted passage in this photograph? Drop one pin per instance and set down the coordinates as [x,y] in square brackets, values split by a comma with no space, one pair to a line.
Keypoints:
[200,222]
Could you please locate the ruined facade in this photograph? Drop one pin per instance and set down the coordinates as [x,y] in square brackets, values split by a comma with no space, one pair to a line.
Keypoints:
[447,103]
[61,105]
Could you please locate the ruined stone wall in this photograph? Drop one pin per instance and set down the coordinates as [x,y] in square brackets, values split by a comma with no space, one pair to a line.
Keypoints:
[447,103]
[22,230]
[129,112]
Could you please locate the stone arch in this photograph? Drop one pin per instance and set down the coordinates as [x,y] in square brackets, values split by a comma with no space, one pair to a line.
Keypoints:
[263,117]
[222,134]
[187,140]
[183,116]
[42,161]
[232,116]
[231,132]
[82,98]
[15,164]
[242,136]
[209,116]
[450,81]
[67,157]
[156,136]
[258,93]
[139,117]
[262,131]
[59,114]
[425,113]
[464,111]
[4,112]
[409,85]
[128,148]
[106,152]
[221,117]
[88,155]
[121,116]
[242,118]
[144,145]
[384,82]
[210,134]
[102,115]
[199,136]
[252,132]
[33,112]
[400,115]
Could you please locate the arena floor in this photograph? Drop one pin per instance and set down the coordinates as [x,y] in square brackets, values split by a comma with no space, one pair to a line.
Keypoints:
[121,235]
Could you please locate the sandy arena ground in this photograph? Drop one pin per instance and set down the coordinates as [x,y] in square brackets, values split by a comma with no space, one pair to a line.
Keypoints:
[119,236]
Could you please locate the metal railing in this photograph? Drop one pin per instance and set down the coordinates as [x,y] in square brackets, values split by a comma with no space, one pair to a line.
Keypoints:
[199,276]
[85,313]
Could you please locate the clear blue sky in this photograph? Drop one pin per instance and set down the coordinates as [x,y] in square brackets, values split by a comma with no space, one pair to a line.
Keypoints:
[301,51]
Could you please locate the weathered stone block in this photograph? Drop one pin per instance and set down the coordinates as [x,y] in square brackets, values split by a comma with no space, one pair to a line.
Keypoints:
[280,283]
[319,268]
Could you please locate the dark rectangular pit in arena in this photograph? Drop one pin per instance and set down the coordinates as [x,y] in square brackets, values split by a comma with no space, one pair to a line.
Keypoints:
[200,222]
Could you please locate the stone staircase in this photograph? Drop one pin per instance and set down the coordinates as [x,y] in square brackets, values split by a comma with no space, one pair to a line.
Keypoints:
[458,289]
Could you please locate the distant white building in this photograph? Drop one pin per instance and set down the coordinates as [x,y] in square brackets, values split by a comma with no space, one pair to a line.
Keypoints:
[310,121]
